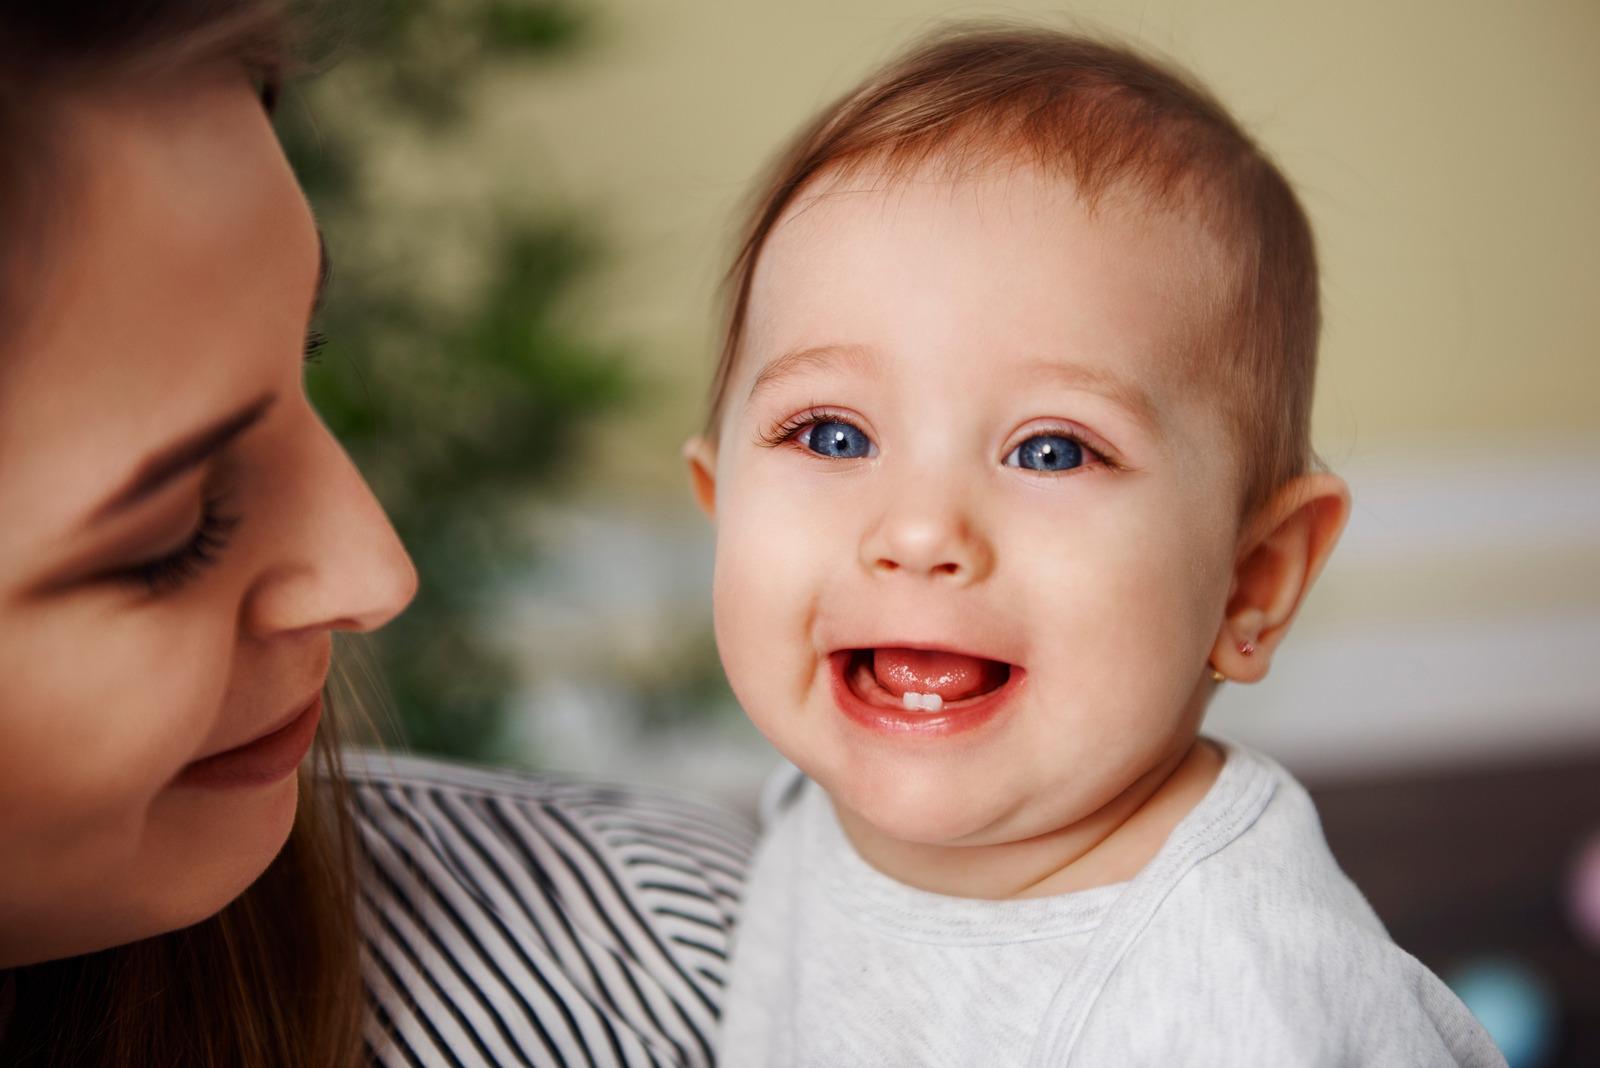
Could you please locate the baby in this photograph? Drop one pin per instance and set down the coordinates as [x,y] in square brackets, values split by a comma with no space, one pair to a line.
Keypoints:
[1009,463]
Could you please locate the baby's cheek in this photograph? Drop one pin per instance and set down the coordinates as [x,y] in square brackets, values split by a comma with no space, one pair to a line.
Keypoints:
[1117,608]
[766,583]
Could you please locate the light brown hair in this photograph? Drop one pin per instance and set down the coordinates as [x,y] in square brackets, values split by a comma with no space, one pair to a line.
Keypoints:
[274,978]
[1111,121]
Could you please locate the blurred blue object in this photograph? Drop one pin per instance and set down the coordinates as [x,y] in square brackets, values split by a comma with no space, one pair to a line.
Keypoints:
[1513,1004]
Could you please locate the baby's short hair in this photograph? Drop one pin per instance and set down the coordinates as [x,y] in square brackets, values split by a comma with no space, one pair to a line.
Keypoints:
[1111,121]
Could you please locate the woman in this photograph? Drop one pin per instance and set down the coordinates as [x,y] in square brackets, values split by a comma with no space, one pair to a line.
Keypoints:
[181,538]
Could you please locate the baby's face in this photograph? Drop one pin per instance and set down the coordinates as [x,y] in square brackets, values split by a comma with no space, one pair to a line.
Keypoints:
[974,539]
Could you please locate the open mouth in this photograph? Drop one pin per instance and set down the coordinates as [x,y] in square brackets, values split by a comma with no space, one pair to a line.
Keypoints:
[925,691]
[922,680]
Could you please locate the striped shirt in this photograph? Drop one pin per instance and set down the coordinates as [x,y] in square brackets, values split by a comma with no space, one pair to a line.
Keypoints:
[515,919]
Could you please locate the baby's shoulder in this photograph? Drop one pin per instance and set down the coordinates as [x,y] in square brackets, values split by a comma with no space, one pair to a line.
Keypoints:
[1276,881]
[1266,953]
[1273,906]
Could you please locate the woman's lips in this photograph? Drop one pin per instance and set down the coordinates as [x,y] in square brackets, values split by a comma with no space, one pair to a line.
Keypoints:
[268,759]
[858,694]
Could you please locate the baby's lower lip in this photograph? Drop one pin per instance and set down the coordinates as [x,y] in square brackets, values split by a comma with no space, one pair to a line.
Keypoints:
[884,714]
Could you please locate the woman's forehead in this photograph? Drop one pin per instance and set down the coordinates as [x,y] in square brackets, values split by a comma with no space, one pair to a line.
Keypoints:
[183,247]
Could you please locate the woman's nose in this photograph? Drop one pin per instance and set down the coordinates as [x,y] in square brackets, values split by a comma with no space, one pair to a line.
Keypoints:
[932,539]
[340,564]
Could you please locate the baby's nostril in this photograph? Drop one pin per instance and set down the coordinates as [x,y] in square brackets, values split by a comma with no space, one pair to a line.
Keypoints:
[948,569]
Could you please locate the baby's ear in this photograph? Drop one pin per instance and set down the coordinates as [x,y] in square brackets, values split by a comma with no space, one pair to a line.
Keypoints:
[701,456]
[1285,546]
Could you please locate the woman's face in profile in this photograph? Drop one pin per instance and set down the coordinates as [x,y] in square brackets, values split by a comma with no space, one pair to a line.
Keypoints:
[180,533]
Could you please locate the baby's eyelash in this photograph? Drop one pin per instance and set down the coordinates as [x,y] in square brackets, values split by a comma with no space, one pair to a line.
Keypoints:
[786,430]
[1102,458]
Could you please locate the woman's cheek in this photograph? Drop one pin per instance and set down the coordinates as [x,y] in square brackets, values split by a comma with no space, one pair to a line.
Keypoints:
[94,740]
[154,693]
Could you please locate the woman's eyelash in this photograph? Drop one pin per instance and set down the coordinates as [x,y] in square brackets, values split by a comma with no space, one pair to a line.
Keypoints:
[168,573]
[315,339]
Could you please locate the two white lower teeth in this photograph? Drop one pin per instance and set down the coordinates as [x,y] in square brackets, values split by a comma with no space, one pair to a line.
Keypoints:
[922,702]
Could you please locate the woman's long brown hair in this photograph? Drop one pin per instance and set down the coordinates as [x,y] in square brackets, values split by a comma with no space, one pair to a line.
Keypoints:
[274,978]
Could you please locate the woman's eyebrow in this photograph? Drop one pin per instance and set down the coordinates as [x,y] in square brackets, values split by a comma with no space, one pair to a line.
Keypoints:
[324,273]
[182,456]
[194,449]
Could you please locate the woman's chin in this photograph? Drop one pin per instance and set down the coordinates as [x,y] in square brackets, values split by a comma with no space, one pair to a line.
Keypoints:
[192,855]
[203,851]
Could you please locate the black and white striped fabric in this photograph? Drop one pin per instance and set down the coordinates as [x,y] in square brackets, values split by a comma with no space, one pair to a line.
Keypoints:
[527,920]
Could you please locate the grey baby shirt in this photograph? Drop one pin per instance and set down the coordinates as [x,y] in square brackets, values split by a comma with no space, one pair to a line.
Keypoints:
[1241,943]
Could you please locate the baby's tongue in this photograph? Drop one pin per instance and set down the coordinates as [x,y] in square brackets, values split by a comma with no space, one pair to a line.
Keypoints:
[950,675]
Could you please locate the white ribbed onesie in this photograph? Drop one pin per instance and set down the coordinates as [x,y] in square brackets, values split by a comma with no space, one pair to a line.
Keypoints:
[1240,944]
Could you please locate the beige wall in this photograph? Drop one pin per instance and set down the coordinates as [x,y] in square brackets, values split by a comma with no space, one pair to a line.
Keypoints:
[1449,154]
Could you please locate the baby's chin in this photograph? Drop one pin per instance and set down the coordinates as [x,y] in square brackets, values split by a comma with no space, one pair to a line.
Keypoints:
[919,810]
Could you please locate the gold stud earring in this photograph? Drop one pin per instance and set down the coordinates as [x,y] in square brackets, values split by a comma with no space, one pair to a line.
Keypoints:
[1217,676]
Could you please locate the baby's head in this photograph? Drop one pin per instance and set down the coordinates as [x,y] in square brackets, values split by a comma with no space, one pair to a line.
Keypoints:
[1009,444]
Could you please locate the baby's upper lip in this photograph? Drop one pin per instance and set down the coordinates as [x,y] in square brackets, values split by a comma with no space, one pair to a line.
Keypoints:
[957,648]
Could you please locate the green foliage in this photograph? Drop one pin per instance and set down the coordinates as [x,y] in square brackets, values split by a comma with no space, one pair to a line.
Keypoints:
[514,26]
[456,407]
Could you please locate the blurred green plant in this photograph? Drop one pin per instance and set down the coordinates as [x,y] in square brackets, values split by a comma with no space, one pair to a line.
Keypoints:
[456,383]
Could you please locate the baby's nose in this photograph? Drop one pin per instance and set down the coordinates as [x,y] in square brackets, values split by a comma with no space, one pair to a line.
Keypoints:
[927,543]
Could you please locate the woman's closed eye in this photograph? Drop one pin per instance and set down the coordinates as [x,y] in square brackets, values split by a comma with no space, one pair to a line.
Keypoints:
[170,571]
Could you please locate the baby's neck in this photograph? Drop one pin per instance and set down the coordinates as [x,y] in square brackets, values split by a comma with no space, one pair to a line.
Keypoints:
[1108,846]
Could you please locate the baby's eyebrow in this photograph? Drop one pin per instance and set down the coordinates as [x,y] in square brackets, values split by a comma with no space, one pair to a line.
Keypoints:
[1124,392]
[810,358]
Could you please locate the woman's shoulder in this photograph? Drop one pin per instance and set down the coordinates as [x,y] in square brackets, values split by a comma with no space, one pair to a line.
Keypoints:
[529,916]
[374,771]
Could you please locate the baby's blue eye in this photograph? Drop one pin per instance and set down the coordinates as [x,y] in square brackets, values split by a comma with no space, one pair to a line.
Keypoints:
[1047,452]
[841,441]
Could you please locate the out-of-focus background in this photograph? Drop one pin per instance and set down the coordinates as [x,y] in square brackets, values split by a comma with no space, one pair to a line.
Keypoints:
[529,205]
